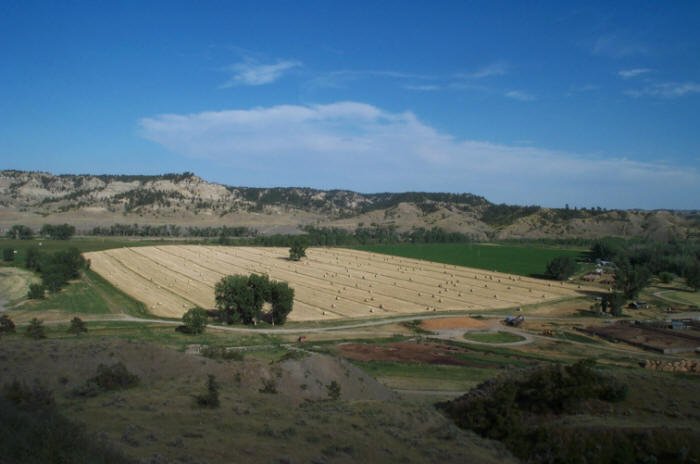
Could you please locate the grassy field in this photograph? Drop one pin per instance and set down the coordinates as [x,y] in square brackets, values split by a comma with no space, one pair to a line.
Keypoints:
[410,376]
[516,259]
[83,244]
[493,337]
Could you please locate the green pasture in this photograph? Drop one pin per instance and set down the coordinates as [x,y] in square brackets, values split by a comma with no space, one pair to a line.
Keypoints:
[526,260]
[493,337]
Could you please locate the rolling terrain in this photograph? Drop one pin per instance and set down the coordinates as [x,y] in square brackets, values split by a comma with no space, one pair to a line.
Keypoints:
[184,200]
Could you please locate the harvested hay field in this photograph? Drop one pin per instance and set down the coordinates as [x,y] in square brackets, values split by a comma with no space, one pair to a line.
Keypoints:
[331,283]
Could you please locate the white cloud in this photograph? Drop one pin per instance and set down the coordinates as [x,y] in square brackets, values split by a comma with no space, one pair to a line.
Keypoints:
[519,95]
[251,72]
[362,147]
[666,90]
[631,73]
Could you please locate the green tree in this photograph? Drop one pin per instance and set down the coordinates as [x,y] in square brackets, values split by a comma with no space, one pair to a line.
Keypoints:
[8,255]
[35,329]
[692,276]
[6,324]
[666,277]
[194,320]
[282,299]
[32,259]
[604,249]
[77,326]
[615,301]
[630,279]
[298,249]
[36,292]
[236,300]
[241,299]
[561,268]
[20,232]
[57,232]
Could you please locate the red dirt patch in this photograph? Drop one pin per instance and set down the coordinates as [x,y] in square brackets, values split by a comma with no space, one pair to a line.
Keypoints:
[429,353]
[453,323]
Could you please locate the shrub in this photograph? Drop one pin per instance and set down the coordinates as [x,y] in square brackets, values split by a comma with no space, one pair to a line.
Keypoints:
[269,386]
[666,277]
[32,431]
[194,321]
[497,408]
[210,399]
[77,326]
[8,254]
[6,324]
[35,329]
[114,377]
[28,398]
[333,390]
[218,352]
[36,292]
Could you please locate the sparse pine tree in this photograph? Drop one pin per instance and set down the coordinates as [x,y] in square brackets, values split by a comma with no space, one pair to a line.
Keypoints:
[333,390]
[6,324]
[35,329]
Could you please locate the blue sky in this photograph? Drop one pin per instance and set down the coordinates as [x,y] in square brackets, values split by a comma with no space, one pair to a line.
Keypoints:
[585,103]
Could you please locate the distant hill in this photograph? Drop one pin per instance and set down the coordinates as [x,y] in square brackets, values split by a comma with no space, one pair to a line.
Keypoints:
[36,198]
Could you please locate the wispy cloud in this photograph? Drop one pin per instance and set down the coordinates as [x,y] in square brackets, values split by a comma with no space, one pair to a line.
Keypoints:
[666,90]
[632,73]
[422,88]
[615,46]
[520,95]
[412,81]
[497,68]
[359,146]
[252,72]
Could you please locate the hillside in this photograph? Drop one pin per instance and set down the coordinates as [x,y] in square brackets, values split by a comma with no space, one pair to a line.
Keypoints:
[87,201]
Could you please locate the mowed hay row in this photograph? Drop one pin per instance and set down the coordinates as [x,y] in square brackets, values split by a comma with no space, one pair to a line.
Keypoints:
[330,283]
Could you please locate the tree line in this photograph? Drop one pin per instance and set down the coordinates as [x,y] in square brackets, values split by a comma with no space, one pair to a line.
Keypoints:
[50,231]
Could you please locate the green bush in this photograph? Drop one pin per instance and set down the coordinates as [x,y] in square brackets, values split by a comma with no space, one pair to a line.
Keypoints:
[194,321]
[108,378]
[77,326]
[36,292]
[666,277]
[33,432]
[269,386]
[501,409]
[8,255]
[35,329]
[333,390]
[561,268]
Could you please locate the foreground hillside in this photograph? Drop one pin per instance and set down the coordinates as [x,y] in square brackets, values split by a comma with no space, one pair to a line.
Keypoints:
[88,201]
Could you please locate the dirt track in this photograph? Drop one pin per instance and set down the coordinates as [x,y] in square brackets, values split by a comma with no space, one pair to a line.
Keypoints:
[331,283]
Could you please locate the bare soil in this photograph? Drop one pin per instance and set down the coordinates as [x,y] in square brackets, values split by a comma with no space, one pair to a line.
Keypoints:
[428,353]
